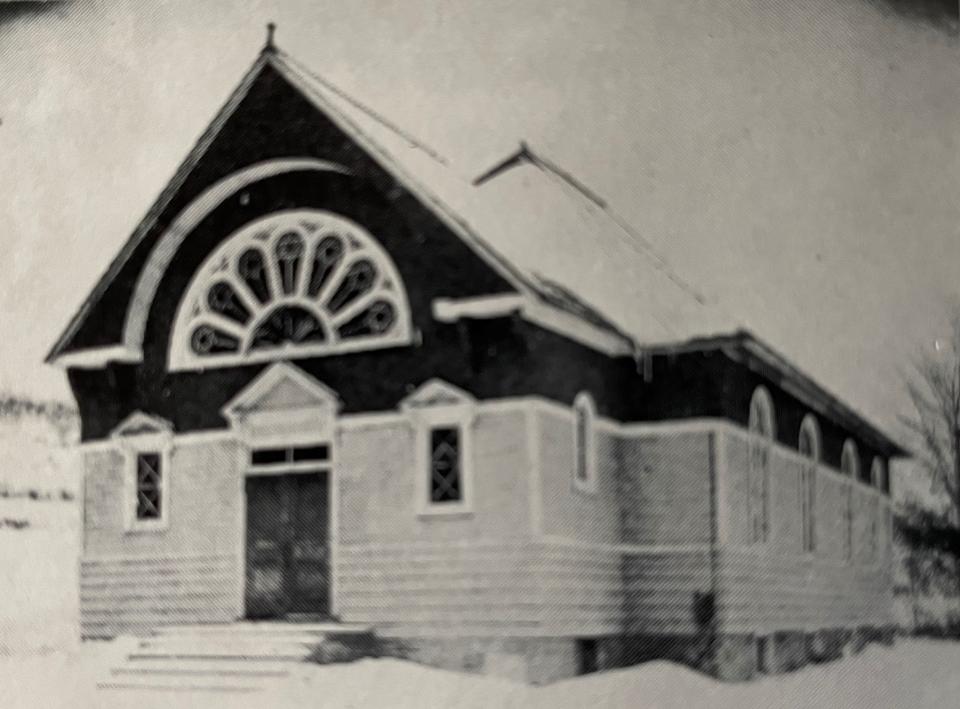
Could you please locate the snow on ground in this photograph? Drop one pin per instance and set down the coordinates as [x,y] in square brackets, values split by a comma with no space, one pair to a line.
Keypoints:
[38,575]
[42,664]
[915,674]
[35,450]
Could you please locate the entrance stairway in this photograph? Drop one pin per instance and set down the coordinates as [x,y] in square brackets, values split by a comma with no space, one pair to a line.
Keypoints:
[233,657]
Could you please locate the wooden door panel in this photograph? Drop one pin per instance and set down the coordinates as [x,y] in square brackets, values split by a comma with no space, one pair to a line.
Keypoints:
[287,545]
[310,549]
[267,592]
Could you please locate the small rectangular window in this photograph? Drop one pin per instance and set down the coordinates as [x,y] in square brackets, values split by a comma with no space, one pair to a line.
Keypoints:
[268,456]
[280,456]
[149,486]
[446,483]
[307,453]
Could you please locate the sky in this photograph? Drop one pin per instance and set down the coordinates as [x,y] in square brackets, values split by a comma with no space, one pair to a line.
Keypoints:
[798,162]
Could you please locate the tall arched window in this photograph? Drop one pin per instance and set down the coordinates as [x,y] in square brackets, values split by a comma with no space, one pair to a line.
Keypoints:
[762,426]
[850,467]
[294,283]
[584,436]
[850,460]
[809,447]
[878,474]
[879,478]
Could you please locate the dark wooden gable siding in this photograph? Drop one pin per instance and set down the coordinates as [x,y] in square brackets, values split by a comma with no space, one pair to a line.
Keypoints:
[493,358]
[496,358]
[711,384]
[274,121]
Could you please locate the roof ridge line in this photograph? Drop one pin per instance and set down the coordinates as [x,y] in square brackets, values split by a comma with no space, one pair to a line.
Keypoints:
[303,80]
[366,109]
[661,263]
[161,202]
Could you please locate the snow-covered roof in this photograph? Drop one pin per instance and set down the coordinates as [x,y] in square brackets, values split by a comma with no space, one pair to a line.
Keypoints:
[571,249]
[567,245]
[554,239]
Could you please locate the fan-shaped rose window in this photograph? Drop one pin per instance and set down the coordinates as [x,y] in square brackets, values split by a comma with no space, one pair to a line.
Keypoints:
[295,283]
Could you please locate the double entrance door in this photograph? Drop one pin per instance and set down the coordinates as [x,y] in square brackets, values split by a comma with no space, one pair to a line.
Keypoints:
[288,567]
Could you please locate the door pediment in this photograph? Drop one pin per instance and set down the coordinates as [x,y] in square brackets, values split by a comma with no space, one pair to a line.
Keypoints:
[284,403]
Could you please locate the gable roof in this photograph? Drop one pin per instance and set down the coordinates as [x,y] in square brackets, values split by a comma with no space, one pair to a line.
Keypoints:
[574,250]
[416,166]
[312,91]
[548,226]
[546,233]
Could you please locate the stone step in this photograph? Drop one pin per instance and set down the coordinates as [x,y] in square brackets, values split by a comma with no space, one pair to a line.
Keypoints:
[223,655]
[228,637]
[175,686]
[232,657]
[203,668]
[219,644]
[258,629]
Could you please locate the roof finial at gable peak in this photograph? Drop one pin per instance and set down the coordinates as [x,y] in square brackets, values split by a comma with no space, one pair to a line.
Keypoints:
[269,46]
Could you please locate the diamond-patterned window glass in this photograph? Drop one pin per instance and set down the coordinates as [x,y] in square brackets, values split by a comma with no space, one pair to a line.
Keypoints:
[446,484]
[149,490]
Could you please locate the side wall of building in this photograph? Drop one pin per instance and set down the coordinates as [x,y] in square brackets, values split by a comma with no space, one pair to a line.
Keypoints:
[777,585]
[666,506]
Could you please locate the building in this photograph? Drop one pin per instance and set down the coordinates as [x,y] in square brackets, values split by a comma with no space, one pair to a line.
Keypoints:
[310,388]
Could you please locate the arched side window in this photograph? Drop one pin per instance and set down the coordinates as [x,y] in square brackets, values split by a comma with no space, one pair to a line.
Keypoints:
[762,421]
[762,426]
[879,477]
[808,445]
[850,467]
[584,436]
[809,440]
[850,460]
[294,283]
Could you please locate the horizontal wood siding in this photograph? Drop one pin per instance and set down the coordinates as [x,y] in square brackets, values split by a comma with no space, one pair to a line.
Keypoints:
[377,472]
[777,585]
[204,499]
[663,589]
[762,592]
[568,511]
[134,595]
[133,580]
[665,488]
[582,591]
[521,587]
